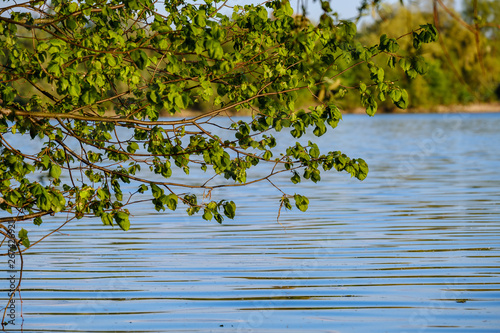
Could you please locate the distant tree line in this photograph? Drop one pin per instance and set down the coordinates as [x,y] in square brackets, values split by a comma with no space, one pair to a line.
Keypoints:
[462,68]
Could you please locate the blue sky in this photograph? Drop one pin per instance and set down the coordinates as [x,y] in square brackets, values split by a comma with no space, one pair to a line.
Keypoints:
[346,8]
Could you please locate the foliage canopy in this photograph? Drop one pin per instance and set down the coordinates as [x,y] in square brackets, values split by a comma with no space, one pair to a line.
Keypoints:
[88,81]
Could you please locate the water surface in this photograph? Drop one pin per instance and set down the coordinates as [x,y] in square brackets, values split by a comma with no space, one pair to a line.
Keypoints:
[413,248]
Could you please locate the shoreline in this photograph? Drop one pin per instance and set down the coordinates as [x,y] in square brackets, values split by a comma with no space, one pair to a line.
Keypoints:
[459,108]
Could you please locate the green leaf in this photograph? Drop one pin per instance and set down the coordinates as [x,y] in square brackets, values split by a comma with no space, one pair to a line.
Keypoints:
[23,237]
[363,169]
[267,155]
[107,219]
[42,46]
[412,73]
[157,192]
[230,209]
[54,69]
[320,129]
[140,58]
[89,96]
[325,6]
[102,194]
[37,221]
[199,19]
[301,202]
[86,193]
[55,171]
[420,65]
[417,42]
[132,147]
[122,219]
[392,46]
[286,202]
[207,214]
[214,49]
[402,103]
[218,217]
[395,95]
[57,42]
[391,62]
[405,64]
[179,101]
[172,201]
[371,108]
[314,151]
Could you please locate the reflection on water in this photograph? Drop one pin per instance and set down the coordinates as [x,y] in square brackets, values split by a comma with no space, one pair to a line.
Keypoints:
[414,247]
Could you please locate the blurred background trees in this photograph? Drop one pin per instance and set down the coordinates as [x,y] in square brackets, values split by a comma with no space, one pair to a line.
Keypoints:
[463,68]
